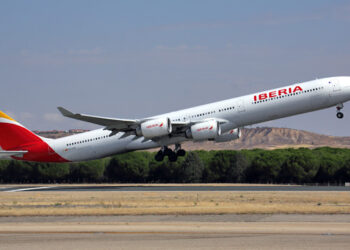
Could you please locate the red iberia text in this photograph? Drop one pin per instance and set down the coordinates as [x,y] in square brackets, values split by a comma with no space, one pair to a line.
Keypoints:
[276,93]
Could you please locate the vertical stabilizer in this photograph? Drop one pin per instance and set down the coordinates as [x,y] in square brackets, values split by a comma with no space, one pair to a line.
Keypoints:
[13,134]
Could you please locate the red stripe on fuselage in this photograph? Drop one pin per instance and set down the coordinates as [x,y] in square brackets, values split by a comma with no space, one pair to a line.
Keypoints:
[39,152]
[15,137]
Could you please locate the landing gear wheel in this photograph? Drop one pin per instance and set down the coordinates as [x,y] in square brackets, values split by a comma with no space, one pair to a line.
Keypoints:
[172,156]
[340,115]
[159,156]
[167,151]
[181,152]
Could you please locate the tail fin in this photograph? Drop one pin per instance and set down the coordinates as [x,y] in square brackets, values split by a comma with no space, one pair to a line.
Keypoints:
[13,134]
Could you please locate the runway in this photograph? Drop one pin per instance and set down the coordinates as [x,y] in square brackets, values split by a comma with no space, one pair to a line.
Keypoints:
[169,188]
[174,217]
[279,231]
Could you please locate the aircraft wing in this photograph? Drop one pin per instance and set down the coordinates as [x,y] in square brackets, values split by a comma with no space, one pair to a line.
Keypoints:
[7,154]
[124,125]
[109,123]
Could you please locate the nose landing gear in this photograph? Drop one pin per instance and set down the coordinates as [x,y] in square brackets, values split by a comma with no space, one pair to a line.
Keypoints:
[340,115]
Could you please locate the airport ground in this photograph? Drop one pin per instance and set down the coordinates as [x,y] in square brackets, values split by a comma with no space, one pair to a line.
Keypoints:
[174,217]
[177,199]
[259,231]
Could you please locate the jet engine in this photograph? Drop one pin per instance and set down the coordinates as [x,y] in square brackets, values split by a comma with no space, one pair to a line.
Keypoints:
[233,134]
[208,130]
[155,128]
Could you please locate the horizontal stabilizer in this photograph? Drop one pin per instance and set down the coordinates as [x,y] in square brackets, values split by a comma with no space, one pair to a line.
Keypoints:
[8,154]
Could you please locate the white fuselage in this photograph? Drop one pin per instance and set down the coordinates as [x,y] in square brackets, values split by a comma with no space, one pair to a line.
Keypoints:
[236,112]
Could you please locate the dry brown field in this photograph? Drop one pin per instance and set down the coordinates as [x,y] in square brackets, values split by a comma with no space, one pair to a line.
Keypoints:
[182,203]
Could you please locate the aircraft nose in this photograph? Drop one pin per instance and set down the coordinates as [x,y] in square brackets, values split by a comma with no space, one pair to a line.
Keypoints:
[346,83]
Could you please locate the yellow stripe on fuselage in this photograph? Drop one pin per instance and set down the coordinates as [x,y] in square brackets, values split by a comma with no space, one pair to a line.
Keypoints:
[3,115]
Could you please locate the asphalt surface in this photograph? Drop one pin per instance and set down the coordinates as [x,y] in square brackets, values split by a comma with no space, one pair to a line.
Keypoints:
[167,188]
[268,232]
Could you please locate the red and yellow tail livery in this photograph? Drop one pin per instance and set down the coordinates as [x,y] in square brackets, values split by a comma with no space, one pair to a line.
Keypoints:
[18,142]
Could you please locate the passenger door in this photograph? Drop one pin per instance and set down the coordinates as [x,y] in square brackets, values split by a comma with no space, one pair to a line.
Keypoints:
[335,84]
[240,105]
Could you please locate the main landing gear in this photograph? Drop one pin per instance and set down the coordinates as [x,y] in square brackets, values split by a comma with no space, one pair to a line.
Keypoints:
[172,155]
[340,115]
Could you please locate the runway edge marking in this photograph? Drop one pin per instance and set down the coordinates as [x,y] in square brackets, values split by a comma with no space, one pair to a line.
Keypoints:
[28,189]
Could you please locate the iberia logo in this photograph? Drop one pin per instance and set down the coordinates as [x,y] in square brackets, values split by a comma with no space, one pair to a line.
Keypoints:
[211,128]
[277,93]
[155,125]
[201,129]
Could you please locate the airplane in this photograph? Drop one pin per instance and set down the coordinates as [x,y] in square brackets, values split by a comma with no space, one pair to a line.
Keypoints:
[219,122]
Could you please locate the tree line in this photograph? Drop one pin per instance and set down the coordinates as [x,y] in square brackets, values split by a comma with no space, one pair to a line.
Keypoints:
[320,165]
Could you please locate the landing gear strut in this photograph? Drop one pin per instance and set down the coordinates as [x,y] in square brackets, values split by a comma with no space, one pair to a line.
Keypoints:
[172,155]
[179,151]
[340,115]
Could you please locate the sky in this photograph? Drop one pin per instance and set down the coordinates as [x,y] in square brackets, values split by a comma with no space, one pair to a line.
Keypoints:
[133,59]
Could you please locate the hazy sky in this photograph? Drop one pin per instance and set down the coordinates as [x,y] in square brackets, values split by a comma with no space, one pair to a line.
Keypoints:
[132,59]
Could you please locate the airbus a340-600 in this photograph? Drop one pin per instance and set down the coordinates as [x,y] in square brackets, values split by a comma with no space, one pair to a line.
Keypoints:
[218,122]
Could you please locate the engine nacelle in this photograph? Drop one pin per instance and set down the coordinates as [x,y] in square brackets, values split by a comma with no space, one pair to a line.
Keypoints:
[208,130]
[155,128]
[233,134]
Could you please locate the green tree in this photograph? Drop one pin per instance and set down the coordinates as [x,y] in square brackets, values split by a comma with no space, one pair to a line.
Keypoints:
[129,167]
[192,168]
[18,172]
[301,166]
[91,171]
[239,171]
[3,167]
[343,174]
[227,166]
[166,171]
[53,172]
[332,162]
[265,167]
